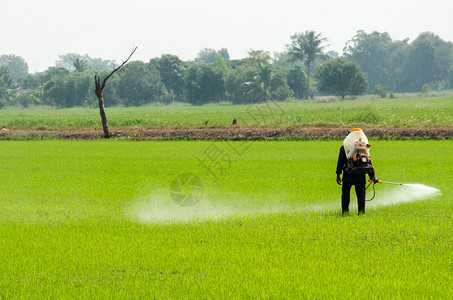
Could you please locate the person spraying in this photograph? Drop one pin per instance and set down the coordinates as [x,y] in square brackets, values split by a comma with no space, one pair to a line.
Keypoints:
[354,162]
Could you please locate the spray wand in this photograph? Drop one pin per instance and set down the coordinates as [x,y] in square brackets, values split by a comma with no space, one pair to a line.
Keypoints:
[388,182]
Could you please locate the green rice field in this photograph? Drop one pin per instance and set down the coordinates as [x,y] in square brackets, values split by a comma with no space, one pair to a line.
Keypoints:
[96,219]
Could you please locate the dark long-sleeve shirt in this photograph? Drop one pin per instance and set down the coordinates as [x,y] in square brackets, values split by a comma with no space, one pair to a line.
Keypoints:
[352,178]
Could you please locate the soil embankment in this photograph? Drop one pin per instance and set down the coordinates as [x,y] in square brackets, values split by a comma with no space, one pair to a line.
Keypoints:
[295,133]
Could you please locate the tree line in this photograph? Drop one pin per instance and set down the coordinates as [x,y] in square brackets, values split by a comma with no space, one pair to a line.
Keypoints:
[370,63]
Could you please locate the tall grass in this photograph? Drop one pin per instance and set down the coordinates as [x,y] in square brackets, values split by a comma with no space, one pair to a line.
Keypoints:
[423,112]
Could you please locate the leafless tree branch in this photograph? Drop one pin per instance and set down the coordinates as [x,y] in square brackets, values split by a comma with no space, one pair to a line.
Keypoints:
[120,66]
[99,93]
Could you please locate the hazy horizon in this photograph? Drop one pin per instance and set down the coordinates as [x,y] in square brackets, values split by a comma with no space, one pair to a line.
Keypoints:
[41,31]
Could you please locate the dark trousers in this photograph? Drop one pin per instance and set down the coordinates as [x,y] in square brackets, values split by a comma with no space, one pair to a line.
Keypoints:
[346,195]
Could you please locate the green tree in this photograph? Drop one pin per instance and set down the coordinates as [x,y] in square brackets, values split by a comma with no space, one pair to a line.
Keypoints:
[258,58]
[297,81]
[68,91]
[204,84]
[236,90]
[139,84]
[70,60]
[17,66]
[381,91]
[267,85]
[5,82]
[425,89]
[51,81]
[55,72]
[282,59]
[429,61]
[81,63]
[27,99]
[191,85]
[207,55]
[171,70]
[398,60]
[372,52]
[111,92]
[224,53]
[32,81]
[443,60]
[306,47]
[260,86]
[401,66]
[266,82]
[219,63]
[100,64]
[254,78]
[39,82]
[341,78]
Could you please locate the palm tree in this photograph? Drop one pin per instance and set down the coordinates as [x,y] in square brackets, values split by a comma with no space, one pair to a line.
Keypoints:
[263,84]
[80,64]
[260,86]
[306,47]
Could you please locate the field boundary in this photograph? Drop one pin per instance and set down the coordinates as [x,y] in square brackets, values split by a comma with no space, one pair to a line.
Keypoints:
[233,134]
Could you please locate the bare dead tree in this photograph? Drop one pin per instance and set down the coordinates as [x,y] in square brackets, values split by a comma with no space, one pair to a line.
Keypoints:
[99,93]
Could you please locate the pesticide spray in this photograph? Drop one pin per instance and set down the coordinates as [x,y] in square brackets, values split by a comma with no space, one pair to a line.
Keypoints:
[157,208]
[405,193]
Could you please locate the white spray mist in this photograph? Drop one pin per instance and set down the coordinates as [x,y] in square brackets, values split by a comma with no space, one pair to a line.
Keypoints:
[157,208]
[403,194]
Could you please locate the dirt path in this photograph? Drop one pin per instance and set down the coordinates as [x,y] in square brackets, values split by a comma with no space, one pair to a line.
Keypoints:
[231,134]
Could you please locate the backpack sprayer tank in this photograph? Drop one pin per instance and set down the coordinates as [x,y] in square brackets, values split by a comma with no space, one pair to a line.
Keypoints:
[357,152]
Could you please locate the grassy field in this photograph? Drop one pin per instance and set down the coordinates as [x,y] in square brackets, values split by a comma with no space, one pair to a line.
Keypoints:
[94,219]
[419,112]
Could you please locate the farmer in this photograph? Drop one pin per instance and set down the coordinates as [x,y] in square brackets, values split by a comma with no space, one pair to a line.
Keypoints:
[356,179]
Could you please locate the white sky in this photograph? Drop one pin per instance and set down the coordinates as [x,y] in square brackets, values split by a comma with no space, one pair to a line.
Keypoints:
[40,30]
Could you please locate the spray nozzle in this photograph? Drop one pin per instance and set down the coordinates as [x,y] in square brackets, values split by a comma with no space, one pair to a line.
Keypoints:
[375,180]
